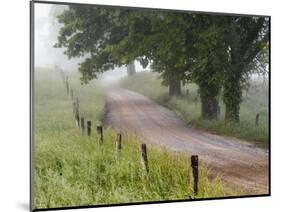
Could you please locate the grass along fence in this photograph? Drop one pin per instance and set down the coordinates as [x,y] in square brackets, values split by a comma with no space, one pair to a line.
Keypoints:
[194,158]
[73,168]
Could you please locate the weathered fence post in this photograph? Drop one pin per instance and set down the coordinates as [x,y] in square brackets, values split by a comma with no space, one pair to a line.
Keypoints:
[195,173]
[76,114]
[71,93]
[100,133]
[82,125]
[77,103]
[118,144]
[67,85]
[74,108]
[89,123]
[144,157]
[257,119]
[77,119]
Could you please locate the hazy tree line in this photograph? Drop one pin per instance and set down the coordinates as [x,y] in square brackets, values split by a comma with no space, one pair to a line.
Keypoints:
[217,52]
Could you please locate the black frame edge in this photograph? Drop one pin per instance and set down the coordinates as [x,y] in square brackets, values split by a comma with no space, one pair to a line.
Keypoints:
[150,202]
[269,110]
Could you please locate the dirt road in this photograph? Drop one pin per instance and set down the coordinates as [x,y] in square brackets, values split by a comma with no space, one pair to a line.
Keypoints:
[242,164]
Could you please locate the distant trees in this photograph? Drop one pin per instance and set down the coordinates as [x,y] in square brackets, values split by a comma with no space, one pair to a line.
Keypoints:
[216,52]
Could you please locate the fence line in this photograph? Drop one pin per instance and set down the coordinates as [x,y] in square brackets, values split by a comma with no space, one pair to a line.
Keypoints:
[80,123]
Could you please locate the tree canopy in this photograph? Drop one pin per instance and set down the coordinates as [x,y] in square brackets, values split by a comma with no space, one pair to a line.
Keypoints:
[217,52]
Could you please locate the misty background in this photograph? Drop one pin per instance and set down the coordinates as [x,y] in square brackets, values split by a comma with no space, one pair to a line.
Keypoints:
[46,56]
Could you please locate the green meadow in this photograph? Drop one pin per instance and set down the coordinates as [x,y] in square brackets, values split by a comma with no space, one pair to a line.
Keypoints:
[73,169]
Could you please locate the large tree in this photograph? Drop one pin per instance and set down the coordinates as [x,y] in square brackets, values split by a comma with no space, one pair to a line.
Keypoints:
[208,61]
[247,39]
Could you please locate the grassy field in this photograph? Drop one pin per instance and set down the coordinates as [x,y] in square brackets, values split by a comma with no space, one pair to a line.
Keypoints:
[255,101]
[74,170]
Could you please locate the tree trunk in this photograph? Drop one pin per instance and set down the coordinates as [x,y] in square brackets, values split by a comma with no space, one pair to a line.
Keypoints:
[210,102]
[232,97]
[131,70]
[232,89]
[174,87]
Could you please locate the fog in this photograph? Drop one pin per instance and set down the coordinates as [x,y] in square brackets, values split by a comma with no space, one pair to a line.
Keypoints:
[46,32]
[46,56]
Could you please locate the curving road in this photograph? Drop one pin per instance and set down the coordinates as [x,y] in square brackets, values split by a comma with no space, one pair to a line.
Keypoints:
[241,164]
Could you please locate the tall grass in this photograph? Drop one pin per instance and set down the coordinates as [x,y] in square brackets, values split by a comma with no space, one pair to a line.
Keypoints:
[74,170]
[188,106]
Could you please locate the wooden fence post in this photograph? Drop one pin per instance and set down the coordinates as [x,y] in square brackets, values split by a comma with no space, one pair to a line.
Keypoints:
[76,113]
[100,132]
[89,123]
[144,157]
[77,119]
[74,108]
[257,119]
[82,125]
[194,166]
[77,103]
[118,144]
[67,86]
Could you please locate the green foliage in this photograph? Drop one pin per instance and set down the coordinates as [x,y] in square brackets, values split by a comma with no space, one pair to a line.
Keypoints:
[73,170]
[213,51]
[86,32]
[255,101]
[247,38]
